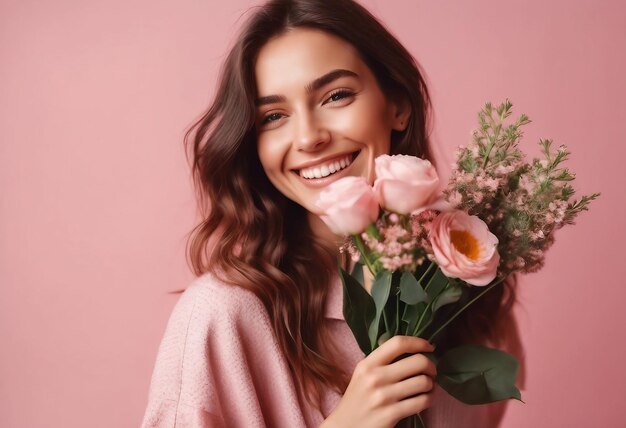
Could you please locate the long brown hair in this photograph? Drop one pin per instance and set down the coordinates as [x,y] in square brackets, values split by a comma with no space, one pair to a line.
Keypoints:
[251,235]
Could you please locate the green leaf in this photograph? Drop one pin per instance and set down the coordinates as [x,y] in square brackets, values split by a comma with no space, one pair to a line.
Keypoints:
[476,374]
[410,316]
[357,273]
[411,292]
[451,294]
[358,310]
[436,284]
[426,315]
[380,293]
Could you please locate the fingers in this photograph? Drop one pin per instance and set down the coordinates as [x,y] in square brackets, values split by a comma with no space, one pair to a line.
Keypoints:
[410,366]
[397,346]
[409,388]
[412,405]
[395,380]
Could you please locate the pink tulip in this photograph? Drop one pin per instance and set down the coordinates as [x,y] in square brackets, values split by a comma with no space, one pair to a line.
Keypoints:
[405,184]
[464,247]
[348,205]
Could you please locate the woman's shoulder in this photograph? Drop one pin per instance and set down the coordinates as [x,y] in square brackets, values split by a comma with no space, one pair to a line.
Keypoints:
[207,298]
[209,291]
[209,286]
[218,342]
[217,357]
[210,317]
[212,312]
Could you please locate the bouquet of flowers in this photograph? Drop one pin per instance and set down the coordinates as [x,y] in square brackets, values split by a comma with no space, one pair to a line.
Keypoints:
[425,248]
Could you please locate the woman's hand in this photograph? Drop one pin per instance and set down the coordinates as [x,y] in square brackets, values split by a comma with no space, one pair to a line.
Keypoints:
[383,391]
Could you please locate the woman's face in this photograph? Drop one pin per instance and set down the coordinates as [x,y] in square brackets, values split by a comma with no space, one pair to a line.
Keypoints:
[320,114]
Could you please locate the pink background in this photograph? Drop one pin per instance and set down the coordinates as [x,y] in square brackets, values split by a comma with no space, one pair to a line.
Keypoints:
[96,200]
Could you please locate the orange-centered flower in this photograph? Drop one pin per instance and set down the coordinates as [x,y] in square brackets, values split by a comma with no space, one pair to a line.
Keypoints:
[465,243]
[464,247]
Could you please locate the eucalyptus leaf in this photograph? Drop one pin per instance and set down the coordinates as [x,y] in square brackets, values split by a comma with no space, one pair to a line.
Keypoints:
[451,294]
[358,310]
[380,293]
[411,292]
[384,337]
[476,374]
[410,316]
[436,284]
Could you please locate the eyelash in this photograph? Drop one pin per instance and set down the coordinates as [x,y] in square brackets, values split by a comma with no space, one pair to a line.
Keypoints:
[267,120]
[344,92]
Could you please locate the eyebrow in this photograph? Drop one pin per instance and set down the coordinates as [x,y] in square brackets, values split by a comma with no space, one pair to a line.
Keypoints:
[313,86]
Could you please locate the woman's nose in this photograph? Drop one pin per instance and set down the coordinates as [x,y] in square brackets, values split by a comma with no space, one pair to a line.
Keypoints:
[310,134]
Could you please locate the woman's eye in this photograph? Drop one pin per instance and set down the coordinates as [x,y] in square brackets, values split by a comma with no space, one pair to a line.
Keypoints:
[339,95]
[273,117]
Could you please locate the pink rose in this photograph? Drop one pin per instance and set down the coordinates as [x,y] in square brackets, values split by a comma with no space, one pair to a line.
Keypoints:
[348,205]
[405,184]
[464,248]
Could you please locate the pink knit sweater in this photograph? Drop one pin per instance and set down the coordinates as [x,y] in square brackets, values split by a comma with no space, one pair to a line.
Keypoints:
[219,365]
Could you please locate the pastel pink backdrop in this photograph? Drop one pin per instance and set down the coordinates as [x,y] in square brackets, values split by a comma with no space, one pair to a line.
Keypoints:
[96,199]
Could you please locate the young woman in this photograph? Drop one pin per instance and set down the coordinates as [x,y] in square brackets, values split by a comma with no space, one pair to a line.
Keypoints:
[312,91]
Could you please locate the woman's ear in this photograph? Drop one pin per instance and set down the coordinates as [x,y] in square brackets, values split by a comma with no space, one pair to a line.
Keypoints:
[401,109]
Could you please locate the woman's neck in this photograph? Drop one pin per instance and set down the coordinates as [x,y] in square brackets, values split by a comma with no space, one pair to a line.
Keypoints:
[322,232]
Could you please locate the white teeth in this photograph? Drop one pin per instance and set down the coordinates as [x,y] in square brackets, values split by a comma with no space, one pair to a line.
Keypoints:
[326,169]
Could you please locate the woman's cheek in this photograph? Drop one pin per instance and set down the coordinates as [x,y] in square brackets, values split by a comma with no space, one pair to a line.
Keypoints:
[377,130]
[270,149]
[339,121]
[358,123]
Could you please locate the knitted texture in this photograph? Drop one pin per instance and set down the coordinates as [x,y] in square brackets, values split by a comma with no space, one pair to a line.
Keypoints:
[219,365]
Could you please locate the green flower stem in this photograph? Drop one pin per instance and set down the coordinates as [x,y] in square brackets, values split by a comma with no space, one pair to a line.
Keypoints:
[361,247]
[432,336]
[486,160]
[419,330]
[421,318]
[413,421]
[397,314]
[419,322]
[372,231]
[419,422]
[432,264]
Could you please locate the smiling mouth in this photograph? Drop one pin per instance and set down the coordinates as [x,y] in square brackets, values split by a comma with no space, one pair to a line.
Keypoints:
[327,168]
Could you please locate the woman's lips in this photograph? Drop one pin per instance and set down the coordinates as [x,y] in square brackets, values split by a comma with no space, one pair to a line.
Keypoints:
[326,168]
[324,181]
